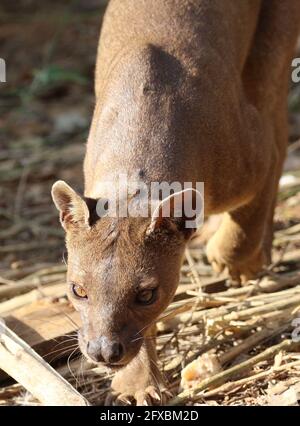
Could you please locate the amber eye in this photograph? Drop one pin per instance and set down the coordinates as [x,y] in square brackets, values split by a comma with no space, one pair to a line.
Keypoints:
[146,297]
[79,291]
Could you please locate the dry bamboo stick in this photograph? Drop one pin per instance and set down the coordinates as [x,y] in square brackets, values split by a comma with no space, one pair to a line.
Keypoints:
[57,291]
[227,387]
[23,286]
[250,342]
[25,271]
[267,307]
[221,377]
[23,364]
[46,271]
[6,282]
[32,245]
[267,286]
[229,312]
[193,268]
[289,231]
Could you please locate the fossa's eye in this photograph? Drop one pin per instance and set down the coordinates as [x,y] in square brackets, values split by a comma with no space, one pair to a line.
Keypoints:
[79,291]
[146,297]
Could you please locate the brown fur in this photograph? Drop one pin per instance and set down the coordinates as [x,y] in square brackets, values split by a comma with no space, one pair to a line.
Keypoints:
[186,90]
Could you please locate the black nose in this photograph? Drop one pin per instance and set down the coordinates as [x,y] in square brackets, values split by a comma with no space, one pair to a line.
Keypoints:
[112,352]
[104,349]
[94,350]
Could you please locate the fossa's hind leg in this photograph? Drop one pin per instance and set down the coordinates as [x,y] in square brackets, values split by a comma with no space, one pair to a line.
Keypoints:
[240,242]
[243,242]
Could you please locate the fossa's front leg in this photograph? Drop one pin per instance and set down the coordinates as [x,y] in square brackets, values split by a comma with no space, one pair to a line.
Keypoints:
[140,382]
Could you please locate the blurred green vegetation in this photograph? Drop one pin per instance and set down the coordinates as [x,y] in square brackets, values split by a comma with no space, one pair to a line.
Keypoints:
[49,79]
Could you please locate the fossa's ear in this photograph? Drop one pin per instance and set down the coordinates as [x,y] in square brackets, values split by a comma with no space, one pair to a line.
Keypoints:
[179,212]
[72,208]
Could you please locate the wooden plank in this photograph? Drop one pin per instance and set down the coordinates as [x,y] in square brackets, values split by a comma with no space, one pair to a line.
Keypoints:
[43,323]
[22,363]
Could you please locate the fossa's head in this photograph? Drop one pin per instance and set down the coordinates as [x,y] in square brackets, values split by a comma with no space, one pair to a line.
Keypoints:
[122,272]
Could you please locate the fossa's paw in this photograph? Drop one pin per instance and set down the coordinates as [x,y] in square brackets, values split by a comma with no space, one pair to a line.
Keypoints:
[149,396]
[239,270]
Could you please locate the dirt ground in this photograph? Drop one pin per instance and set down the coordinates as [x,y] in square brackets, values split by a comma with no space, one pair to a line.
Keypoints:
[45,112]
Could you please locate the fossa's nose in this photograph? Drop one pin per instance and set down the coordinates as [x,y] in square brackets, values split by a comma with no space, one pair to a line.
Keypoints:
[105,350]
